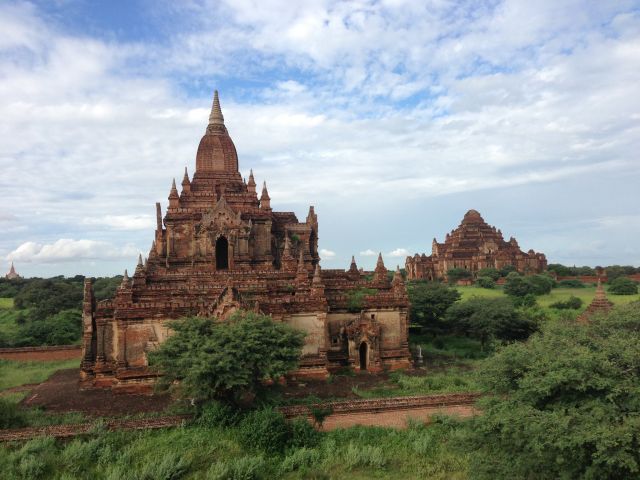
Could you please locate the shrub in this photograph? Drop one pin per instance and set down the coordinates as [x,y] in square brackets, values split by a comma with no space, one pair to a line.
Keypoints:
[227,361]
[299,459]
[355,298]
[242,468]
[492,273]
[486,282]
[217,414]
[571,283]
[303,434]
[429,302]
[506,270]
[623,286]
[364,456]
[572,303]
[518,286]
[265,430]
[168,466]
[10,415]
[455,274]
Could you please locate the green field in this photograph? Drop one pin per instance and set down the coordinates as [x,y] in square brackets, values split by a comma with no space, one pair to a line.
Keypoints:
[557,294]
[14,374]
[6,303]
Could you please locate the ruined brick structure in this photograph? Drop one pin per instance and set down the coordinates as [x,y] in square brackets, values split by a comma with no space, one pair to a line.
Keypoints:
[472,246]
[599,305]
[12,274]
[220,248]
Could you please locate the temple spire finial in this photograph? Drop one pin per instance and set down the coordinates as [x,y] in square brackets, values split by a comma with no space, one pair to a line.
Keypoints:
[216,118]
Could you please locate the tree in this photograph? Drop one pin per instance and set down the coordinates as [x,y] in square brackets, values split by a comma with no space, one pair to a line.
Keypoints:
[455,274]
[518,286]
[429,302]
[491,318]
[486,282]
[492,273]
[623,286]
[564,404]
[506,270]
[572,303]
[228,361]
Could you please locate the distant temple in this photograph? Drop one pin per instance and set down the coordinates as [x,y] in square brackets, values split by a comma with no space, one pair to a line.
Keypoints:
[12,274]
[472,246]
[599,305]
[220,247]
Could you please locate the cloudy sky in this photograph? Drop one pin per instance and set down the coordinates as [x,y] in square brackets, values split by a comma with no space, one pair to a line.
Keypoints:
[392,117]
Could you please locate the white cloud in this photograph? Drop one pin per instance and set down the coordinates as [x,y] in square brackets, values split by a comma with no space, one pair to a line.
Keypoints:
[398,252]
[68,250]
[122,222]
[373,104]
[324,253]
[368,253]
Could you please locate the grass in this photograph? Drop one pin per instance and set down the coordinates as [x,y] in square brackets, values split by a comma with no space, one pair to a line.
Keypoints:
[557,295]
[216,453]
[8,325]
[14,374]
[6,303]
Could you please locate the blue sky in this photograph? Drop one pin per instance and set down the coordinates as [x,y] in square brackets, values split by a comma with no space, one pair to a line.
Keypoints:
[392,118]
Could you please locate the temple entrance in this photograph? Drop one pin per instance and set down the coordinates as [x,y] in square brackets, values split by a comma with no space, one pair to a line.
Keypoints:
[364,353]
[222,254]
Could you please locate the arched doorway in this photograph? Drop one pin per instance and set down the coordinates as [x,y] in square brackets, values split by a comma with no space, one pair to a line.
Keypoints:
[364,353]
[222,254]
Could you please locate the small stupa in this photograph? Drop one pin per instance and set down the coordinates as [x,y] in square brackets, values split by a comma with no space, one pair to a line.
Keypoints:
[599,304]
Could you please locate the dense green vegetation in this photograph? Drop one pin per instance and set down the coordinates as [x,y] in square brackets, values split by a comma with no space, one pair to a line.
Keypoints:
[40,311]
[429,303]
[623,286]
[229,360]
[567,403]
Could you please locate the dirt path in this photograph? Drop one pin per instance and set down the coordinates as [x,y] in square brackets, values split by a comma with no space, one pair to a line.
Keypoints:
[61,393]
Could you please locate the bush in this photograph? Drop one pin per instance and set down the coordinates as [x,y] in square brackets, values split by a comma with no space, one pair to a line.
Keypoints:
[455,274]
[623,286]
[571,283]
[492,273]
[243,468]
[486,282]
[355,298]
[364,456]
[518,286]
[572,303]
[491,318]
[506,270]
[429,302]
[300,459]
[564,404]
[227,361]
[10,415]
[265,430]
[217,414]
[528,301]
[303,434]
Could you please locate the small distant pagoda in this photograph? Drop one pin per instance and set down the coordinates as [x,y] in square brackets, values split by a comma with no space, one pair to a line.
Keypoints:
[599,304]
[12,275]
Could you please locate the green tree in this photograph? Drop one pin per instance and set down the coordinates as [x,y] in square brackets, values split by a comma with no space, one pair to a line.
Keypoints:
[491,318]
[518,286]
[486,282]
[492,273]
[506,270]
[455,274]
[429,302]
[228,361]
[623,286]
[565,404]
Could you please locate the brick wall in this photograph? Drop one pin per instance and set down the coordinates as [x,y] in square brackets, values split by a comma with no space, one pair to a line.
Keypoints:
[41,354]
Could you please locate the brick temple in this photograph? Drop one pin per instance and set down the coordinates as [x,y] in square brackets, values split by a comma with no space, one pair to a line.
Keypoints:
[12,274]
[220,247]
[472,246]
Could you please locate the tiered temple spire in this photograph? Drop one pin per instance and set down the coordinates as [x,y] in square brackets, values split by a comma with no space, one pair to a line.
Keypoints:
[215,117]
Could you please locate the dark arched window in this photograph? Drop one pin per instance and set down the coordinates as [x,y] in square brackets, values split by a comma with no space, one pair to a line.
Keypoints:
[364,350]
[222,254]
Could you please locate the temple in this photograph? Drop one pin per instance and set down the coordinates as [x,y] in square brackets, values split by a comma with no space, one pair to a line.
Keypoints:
[599,305]
[472,246]
[221,247]
[12,274]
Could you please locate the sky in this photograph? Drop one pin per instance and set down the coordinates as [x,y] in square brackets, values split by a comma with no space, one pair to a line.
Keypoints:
[391,117]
